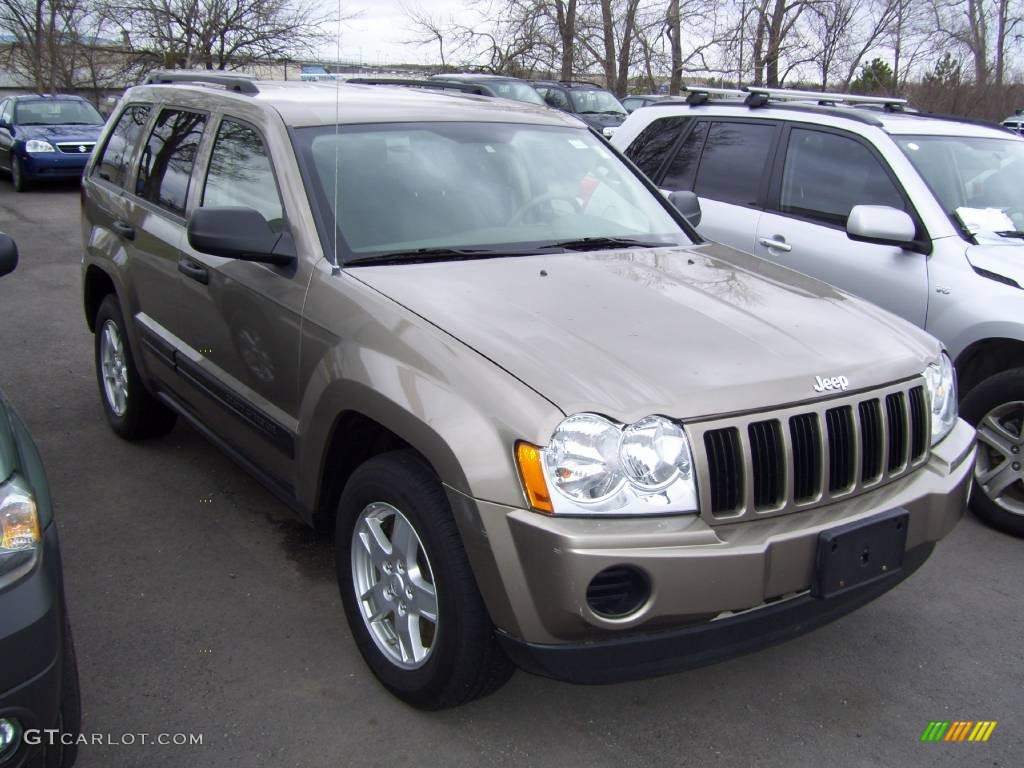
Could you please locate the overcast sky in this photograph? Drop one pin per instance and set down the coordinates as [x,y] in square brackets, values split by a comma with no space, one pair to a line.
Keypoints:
[381,29]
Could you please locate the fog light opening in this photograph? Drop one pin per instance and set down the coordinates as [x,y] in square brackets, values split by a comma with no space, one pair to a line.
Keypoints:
[10,738]
[617,592]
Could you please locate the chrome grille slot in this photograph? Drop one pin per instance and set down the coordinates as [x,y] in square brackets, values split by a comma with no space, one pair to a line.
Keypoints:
[919,423]
[767,463]
[806,437]
[896,423]
[841,448]
[725,466]
[870,441]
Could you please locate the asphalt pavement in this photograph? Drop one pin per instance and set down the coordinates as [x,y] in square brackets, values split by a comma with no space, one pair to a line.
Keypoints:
[201,607]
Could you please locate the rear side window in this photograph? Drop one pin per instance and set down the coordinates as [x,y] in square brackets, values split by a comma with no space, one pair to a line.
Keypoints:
[117,153]
[733,162]
[825,175]
[683,168]
[167,160]
[648,150]
[240,173]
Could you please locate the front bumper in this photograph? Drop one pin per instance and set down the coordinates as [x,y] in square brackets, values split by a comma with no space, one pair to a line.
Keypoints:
[31,629]
[39,165]
[533,571]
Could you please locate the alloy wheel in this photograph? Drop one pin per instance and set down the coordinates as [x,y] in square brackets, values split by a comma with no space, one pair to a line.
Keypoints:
[114,368]
[999,470]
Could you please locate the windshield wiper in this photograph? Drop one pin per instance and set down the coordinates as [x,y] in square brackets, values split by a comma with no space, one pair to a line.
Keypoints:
[602,243]
[422,255]
[1012,233]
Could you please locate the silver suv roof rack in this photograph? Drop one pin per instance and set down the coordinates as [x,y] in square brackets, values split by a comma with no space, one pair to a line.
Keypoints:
[227,80]
[700,94]
[823,98]
[429,83]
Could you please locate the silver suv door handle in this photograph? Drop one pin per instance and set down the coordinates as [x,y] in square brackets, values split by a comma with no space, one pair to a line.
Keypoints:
[776,245]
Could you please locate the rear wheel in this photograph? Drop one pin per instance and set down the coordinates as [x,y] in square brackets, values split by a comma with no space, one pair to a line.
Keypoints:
[996,409]
[409,593]
[132,411]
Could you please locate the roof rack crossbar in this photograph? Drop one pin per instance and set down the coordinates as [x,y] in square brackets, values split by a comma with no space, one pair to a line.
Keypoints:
[231,82]
[824,98]
[408,82]
[699,94]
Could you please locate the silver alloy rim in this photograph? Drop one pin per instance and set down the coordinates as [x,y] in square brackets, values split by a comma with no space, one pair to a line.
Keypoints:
[114,368]
[394,585]
[999,470]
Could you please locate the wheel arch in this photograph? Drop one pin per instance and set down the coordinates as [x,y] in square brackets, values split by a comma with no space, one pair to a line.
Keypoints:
[97,284]
[986,357]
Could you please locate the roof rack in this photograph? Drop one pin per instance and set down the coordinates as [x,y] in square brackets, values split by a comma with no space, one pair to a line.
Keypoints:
[435,85]
[574,83]
[823,98]
[229,81]
[699,94]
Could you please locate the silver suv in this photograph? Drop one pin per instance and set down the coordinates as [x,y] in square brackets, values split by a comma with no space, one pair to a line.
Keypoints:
[547,422]
[923,216]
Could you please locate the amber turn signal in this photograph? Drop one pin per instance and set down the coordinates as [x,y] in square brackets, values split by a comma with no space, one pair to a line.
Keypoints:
[531,472]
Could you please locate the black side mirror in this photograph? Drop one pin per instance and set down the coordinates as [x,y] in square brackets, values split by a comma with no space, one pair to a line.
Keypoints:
[239,233]
[688,204]
[8,254]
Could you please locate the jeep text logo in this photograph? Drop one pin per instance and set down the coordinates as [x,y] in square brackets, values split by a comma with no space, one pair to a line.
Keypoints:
[829,383]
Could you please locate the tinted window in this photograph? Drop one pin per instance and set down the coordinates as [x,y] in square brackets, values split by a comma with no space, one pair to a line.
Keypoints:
[826,175]
[683,168]
[555,98]
[648,150]
[240,173]
[733,162]
[117,154]
[168,158]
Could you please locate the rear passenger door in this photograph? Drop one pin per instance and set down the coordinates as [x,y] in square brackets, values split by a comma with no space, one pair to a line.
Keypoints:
[725,162]
[817,179]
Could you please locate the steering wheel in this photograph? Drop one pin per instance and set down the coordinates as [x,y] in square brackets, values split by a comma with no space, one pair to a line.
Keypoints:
[545,198]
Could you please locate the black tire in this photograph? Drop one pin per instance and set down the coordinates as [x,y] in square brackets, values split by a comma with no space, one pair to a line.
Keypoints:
[995,391]
[142,415]
[465,661]
[18,175]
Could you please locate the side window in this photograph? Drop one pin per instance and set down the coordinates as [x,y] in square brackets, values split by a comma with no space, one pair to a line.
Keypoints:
[683,168]
[7,110]
[648,150]
[113,161]
[168,157]
[555,98]
[825,175]
[240,173]
[733,162]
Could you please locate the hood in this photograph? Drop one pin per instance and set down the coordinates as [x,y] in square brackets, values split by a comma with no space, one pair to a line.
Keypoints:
[59,133]
[1005,258]
[684,332]
[8,448]
[601,121]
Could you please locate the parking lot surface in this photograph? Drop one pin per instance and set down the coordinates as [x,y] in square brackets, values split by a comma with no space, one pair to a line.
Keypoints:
[200,606]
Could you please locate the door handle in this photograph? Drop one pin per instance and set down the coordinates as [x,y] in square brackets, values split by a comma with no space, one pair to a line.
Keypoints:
[124,229]
[195,270]
[776,244]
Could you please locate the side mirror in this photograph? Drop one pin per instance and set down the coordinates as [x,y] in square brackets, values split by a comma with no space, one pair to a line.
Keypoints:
[688,204]
[8,254]
[881,225]
[3,123]
[239,233]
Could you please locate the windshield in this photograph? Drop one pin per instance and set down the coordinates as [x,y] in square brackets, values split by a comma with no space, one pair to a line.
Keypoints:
[488,186]
[595,101]
[510,89]
[56,112]
[976,180]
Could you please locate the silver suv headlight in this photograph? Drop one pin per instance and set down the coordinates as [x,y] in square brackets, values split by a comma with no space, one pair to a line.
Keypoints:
[940,381]
[596,466]
[19,528]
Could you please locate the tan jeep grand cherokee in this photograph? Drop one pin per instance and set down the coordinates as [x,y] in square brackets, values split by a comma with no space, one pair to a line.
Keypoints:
[550,425]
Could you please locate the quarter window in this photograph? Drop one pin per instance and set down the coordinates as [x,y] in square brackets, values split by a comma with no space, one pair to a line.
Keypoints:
[683,168]
[241,174]
[654,142]
[117,153]
[168,158]
[825,175]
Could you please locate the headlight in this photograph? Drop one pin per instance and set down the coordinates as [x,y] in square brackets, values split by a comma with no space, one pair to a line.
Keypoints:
[19,527]
[940,381]
[598,467]
[38,145]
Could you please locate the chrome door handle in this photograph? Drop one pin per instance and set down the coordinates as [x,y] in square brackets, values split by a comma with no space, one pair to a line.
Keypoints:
[775,245]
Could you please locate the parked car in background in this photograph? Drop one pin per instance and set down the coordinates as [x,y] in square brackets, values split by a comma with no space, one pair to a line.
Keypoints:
[922,215]
[1015,122]
[46,137]
[589,102]
[633,103]
[38,670]
[497,85]
[315,73]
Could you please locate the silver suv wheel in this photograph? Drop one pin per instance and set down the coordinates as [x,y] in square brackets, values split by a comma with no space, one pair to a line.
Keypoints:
[999,470]
[394,585]
[114,368]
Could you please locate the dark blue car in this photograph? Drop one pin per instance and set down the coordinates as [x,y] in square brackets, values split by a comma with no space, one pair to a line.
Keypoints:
[46,137]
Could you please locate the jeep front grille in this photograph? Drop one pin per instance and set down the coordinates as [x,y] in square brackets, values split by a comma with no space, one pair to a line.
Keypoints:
[802,457]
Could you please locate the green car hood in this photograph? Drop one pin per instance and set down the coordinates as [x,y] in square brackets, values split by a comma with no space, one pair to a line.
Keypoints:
[8,448]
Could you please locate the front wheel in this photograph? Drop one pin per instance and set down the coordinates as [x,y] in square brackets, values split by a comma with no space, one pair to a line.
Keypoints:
[996,409]
[409,593]
[18,175]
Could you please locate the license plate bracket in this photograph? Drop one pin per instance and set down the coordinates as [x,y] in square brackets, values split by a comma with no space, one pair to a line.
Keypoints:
[858,553]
